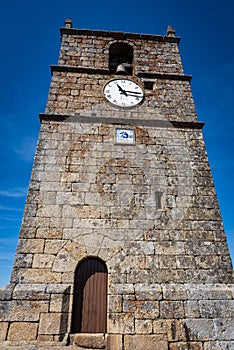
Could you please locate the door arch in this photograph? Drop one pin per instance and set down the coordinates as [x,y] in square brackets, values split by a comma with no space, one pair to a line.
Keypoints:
[89,314]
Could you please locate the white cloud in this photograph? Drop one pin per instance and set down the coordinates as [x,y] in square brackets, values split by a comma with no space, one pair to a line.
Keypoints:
[6,256]
[14,192]
[9,208]
[26,149]
[8,241]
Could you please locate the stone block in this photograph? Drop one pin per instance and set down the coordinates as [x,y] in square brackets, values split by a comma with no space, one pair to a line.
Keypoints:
[25,310]
[219,345]
[171,309]
[224,328]
[115,303]
[50,323]
[122,323]
[145,291]
[23,260]
[192,309]
[59,303]
[53,246]
[3,330]
[90,341]
[175,292]
[6,292]
[186,346]
[143,309]
[143,326]
[44,231]
[31,276]
[22,331]
[55,288]
[160,326]
[30,246]
[64,263]
[174,329]
[114,342]
[44,261]
[210,291]
[146,342]
[200,329]
[126,288]
[30,292]
[50,210]
[217,308]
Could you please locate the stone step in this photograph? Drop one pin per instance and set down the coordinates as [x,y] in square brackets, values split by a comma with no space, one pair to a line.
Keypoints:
[27,345]
[88,340]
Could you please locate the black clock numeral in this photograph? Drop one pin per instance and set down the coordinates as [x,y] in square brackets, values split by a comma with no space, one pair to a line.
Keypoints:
[107,91]
[109,96]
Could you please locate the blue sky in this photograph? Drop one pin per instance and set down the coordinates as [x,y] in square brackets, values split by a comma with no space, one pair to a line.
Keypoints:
[30,43]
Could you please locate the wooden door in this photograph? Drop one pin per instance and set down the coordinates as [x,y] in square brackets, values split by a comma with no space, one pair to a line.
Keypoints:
[90,297]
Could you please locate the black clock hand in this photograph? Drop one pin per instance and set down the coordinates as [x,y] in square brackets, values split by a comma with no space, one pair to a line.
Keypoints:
[122,90]
[133,92]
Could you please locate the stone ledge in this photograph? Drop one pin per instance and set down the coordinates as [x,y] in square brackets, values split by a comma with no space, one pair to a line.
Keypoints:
[119,35]
[89,340]
[77,118]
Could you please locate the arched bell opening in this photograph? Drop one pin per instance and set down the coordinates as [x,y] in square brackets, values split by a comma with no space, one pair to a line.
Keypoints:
[121,58]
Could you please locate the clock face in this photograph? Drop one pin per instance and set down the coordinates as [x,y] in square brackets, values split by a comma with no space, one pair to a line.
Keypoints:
[123,93]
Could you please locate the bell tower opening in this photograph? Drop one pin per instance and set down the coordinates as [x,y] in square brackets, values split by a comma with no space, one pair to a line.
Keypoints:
[121,54]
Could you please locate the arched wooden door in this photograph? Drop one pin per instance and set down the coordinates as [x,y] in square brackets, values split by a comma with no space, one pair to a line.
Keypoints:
[90,297]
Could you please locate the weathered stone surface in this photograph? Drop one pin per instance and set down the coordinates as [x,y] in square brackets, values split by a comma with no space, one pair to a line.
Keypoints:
[3,330]
[30,292]
[219,345]
[30,246]
[143,326]
[171,309]
[122,323]
[22,331]
[6,292]
[24,310]
[91,341]
[147,342]
[50,323]
[186,346]
[115,342]
[148,210]
[148,292]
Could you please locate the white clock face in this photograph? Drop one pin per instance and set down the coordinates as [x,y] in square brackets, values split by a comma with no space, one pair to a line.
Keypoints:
[123,93]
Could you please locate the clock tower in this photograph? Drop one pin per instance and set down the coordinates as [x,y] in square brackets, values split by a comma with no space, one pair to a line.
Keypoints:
[122,245]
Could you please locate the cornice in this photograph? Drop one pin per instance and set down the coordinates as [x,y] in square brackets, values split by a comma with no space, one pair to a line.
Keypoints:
[44,117]
[103,71]
[119,35]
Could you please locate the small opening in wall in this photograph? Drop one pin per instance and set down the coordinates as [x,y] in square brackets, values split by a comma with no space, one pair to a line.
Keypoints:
[158,199]
[121,54]
[148,85]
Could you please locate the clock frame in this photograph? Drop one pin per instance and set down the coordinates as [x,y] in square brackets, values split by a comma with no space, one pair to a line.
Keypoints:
[123,93]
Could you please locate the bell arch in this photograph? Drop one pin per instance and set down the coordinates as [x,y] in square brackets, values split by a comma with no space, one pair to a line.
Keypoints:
[89,312]
[121,53]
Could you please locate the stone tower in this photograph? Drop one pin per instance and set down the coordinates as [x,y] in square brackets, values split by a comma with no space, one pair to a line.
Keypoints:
[122,245]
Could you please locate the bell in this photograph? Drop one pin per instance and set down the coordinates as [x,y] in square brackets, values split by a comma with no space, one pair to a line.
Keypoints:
[121,69]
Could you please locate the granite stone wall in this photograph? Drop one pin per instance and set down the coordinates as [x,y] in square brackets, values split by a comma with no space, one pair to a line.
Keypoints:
[147,209]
